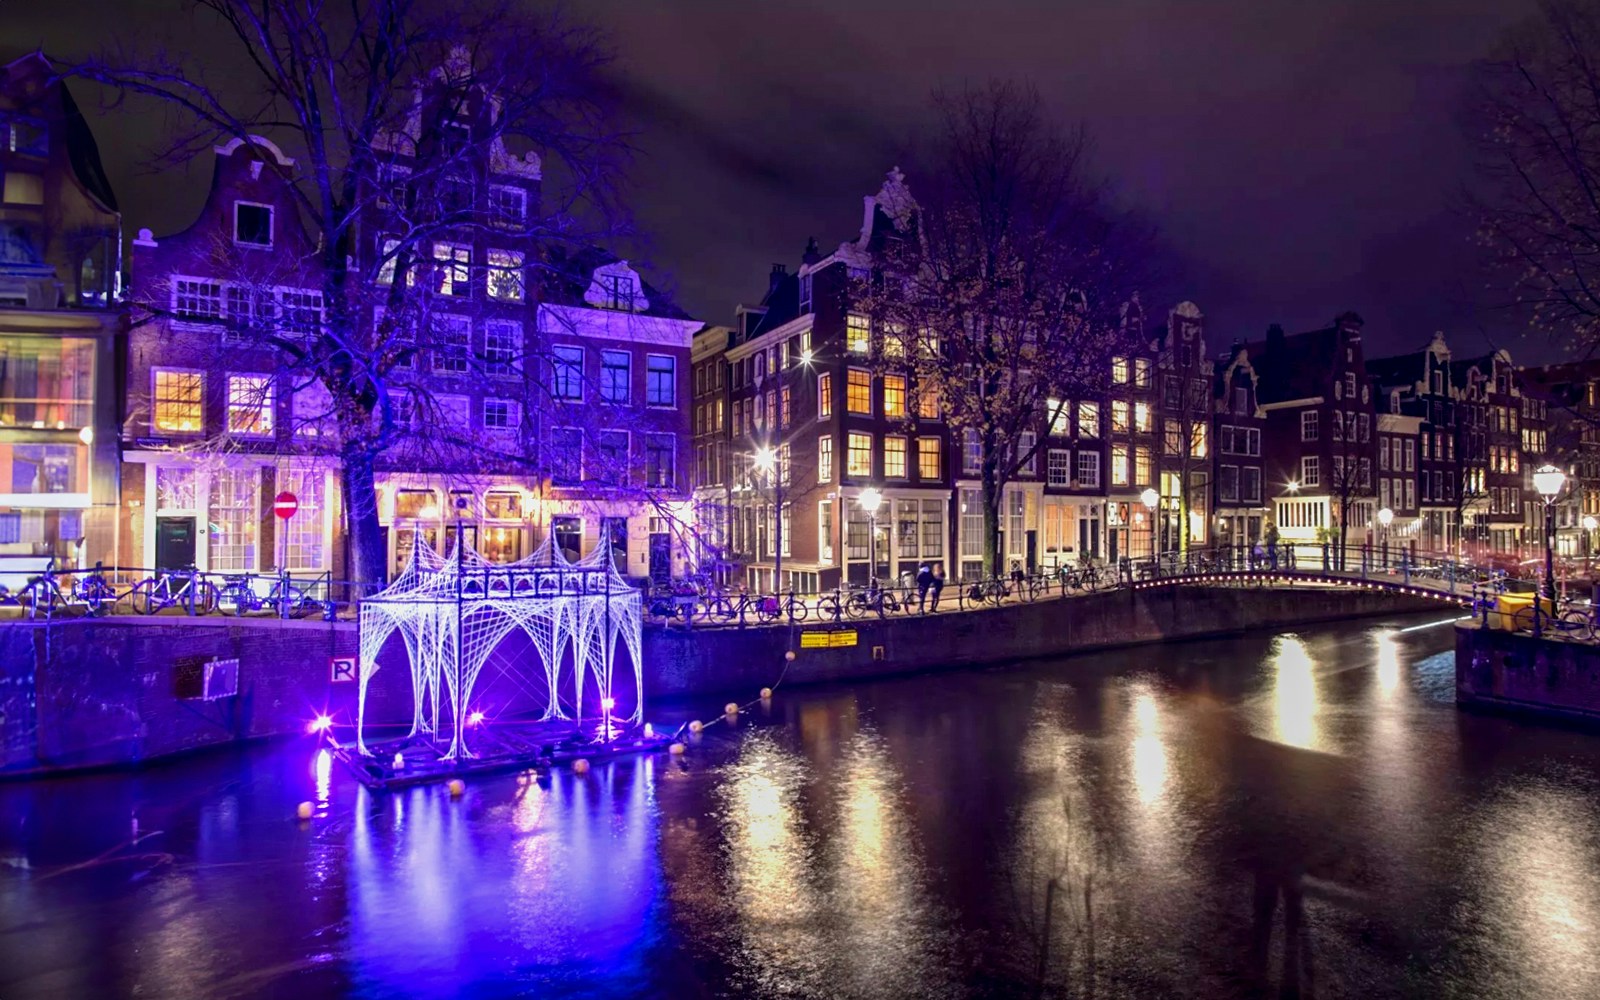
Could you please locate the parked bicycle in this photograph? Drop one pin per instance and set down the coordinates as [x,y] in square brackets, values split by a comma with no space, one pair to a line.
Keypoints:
[874,598]
[239,594]
[174,588]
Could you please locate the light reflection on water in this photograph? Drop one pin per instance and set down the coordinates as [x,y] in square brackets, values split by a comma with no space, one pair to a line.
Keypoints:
[1091,826]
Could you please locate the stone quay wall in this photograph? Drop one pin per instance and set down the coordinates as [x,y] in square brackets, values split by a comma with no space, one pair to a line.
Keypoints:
[1513,671]
[81,693]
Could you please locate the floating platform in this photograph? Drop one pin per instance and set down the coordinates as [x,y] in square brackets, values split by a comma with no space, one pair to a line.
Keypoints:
[498,748]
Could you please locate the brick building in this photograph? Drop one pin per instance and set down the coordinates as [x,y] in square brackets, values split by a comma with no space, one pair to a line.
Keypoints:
[1240,424]
[60,317]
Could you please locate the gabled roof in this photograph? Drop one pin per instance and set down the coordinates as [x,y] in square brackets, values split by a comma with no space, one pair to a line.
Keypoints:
[82,152]
[1399,370]
[1294,367]
[568,275]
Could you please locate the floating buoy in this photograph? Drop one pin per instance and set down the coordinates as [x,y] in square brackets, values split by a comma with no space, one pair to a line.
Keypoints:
[303,810]
[399,762]
[766,694]
[580,766]
[789,656]
[676,749]
[456,786]
[731,708]
[696,726]
[649,730]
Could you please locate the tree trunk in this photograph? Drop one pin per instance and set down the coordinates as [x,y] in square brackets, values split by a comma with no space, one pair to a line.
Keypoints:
[367,556]
[993,494]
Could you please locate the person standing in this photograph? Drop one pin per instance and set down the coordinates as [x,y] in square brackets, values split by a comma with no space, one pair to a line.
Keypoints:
[937,583]
[924,581]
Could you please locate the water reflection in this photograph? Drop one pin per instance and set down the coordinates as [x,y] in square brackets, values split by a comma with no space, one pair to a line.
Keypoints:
[1149,752]
[1294,694]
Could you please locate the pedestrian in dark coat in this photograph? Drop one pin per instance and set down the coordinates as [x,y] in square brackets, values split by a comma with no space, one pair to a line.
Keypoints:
[924,581]
[938,583]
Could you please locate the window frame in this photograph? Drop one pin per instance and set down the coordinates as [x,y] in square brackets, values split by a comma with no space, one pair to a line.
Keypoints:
[272,224]
[650,381]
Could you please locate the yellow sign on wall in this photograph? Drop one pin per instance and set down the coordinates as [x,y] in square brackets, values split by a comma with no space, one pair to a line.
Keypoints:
[827,640]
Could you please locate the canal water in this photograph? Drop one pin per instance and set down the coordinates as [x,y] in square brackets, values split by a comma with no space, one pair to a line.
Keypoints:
[1303,814]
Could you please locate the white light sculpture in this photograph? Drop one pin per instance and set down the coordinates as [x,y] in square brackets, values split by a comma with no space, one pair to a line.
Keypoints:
[451,612]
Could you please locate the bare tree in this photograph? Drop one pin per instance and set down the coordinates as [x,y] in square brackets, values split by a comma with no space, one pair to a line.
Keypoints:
[1009,290]
[382,107]
[1350,477]
[1537,131]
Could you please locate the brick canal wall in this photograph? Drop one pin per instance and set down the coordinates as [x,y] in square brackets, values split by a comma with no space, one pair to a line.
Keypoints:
[1513,671]
[98,692]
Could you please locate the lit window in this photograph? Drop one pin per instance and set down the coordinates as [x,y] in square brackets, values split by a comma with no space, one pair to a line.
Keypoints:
[1141,417]
[1058,414]
[1119,465]
[894,341]
[824,395]
[1058,467]
[252,224]
[858,459]
[928,401]
[505,275]
[1119,416]
[825,458]
[783,407]
[452,344]
[1088,419]
[894,457]
[858,392]
[1141,466]
[501,414]
[1119,370]
[616,372]
[894,396]
[858,334]
[928,452]
[178,401]
[250,405]
[971,451]
[661,380]
[453,266]
[1141,373]
[566,364]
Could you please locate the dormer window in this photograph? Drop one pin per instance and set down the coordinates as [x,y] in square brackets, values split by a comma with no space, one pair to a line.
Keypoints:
[805,293]
[27,136]
[618,290]
[616,286]
[252,224]
[508,206]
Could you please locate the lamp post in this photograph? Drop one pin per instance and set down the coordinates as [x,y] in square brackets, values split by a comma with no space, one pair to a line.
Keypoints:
[870,500]
[1589,524]
[1150,498]
[1548,481]
[1385,518]
[765,462]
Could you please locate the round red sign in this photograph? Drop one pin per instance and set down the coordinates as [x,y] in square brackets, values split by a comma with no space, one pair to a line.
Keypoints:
[285,504]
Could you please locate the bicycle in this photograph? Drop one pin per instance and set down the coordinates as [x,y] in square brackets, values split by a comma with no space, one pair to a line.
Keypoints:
[284,597]
[829,606]
[40,590]
[988,590]
[93,590]
[874,599]
[1569,623]
[157,593]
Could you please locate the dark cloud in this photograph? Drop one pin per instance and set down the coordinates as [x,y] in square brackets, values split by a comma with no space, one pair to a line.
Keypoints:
[1301,158]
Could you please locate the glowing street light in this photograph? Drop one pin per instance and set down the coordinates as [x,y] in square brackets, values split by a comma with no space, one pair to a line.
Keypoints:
[1150,498]
[1385,518]
[1548,481]
[870,500]
[1294,485]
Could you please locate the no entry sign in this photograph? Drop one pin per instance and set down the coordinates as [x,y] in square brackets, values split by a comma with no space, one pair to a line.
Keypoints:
[285,504]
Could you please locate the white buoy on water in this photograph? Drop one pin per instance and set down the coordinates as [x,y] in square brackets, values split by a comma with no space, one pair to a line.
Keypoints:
[303,811]
[580,766]
[456,786]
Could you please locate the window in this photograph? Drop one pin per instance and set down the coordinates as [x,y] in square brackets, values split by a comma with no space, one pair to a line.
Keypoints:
[1308,425]
[783,407]
[23,189]
[508,206]
[1058,467]
[505,275]
[231,533]
[661,380]
[1365,424]
[616,373]
[825,530]
[805,292]
[1241,400]
[1119,370]
[1119,465]
[894,341]
[1141,373]
[250,405]
[1228,483]
[1088,419]
[858,456]
[894,457]
[1058,417]
[1250,484]
[1089,470]
[566,375]
[1141,467]
[1349,385]
[304,534]
[566,456]
[618,290]
[927,401]
[299,311]
[1310,471]
[928,461]
[1026,444]
[613,456]
[311,410]
[858,392]
[858,334]
[1411,494]
[452,344]
[502,343]
[252,224]
[894,396]
[196,298]
[971,451]
[501,414]
[26,135]
[455,415]
[1119,416]
[178,401]
[1141,417]
[453,266]
[660,460]
[1411,455]
[825,458]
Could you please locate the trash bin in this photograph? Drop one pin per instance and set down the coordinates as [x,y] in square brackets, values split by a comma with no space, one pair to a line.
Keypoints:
[1506,607]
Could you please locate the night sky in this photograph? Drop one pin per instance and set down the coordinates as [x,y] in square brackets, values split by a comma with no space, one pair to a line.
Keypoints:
[1301,159]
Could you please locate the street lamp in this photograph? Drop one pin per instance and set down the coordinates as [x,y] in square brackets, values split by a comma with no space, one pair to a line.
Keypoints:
[1150,498]
[1548,481]
[1589,524]
[870,500]
[1385,518]
[765,461]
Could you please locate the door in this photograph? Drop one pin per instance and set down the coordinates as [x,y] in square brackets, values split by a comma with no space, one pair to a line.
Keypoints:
[174,543]
[660,556]
[1033,550]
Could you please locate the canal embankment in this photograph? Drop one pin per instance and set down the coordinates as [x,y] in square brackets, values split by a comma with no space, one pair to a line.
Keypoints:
[1507,671]
[85,693]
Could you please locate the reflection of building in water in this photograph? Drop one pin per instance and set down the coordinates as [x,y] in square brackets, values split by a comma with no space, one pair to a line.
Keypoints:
[60,269]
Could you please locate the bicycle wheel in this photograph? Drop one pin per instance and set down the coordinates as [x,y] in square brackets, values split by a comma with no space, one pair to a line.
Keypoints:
[97,594]
[144,598]
[1577,625]
[205,597]
[798,610]
[766,609]
[1524,619]
[828,608]
[856,606]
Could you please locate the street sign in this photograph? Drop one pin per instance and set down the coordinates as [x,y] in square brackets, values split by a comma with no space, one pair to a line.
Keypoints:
[827,640]
[342,668]
[285,504]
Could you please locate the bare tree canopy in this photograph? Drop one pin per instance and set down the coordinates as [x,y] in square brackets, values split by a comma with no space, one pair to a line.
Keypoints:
[1013,286]
[391,116]
[1537,131]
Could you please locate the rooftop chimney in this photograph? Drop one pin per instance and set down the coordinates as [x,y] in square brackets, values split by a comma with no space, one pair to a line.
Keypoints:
[779,272]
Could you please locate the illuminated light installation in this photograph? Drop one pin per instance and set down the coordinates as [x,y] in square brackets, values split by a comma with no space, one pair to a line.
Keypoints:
[451,612]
